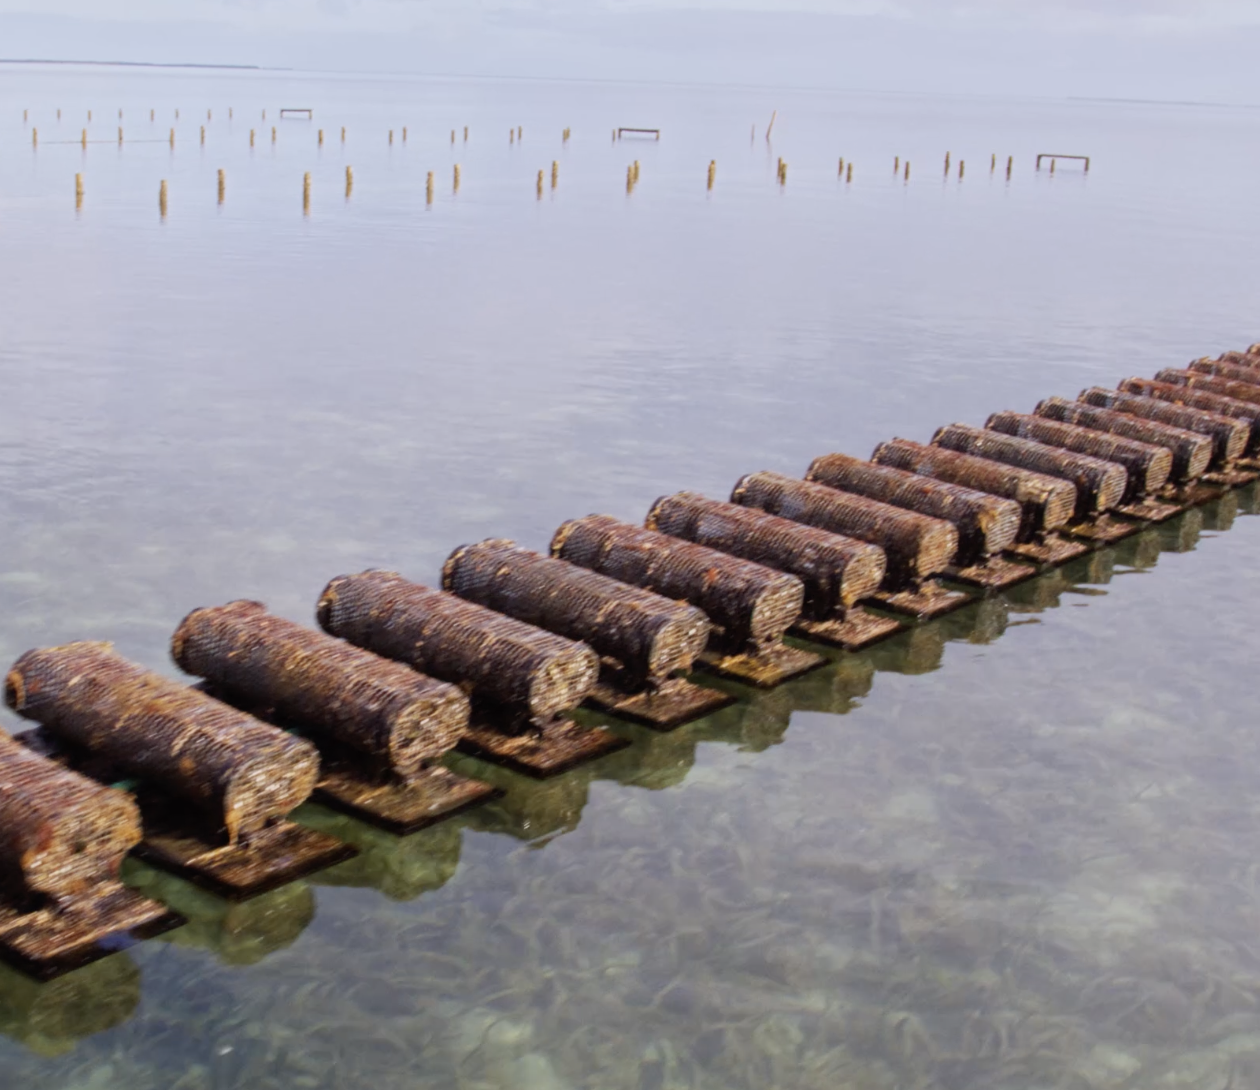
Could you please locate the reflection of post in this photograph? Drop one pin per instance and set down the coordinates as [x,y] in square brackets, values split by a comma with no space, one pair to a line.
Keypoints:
[49,1018]
[402,868]
[1219,516]
[536,809]
[237,933]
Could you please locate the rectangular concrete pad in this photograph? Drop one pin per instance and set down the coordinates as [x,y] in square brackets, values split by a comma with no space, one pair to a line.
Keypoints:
[45,944]
[857,629]
[1053,550]
[931,600]
[400,808]
[766,669]
[282,853]
[1104,530]
[540,752]
[676,702]
[993,574]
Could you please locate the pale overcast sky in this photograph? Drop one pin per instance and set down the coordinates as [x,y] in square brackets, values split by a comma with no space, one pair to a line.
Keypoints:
[1177,49]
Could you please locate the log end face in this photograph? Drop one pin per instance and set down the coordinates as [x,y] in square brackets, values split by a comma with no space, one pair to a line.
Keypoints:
[563,682]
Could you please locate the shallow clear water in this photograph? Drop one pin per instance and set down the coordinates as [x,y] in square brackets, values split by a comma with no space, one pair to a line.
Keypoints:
[1015,847]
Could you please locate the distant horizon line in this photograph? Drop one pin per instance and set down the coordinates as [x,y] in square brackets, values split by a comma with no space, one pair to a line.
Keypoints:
[137,64]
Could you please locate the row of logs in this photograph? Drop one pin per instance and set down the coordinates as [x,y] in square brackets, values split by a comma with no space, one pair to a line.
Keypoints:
[518,638]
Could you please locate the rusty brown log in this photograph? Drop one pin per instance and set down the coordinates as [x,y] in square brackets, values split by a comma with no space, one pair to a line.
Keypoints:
[509,669]
[1228,436]
[1191,453]
[986,524]
[750,606]
[1232,371]
[1249,358]
[1148,466]
[647,636]
[62,836]
[915,545]
[837,571]
[1100,485]
[1046,502]
[239,772]
[1212,384]
[397,718]
[1174,393]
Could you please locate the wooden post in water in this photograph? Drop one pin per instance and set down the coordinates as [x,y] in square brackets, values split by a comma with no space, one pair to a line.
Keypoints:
[229,113]
[119,113]
[349,181]
[540,185]
[222,184]
[273,134]
[404,134]
[1051,166]
[176,115]
[452,137]
[947,164]
[321,138]
[848,173]
[770,128]
[520,132]
[172,138]
[120,136]
[630,179]
[465,134]
[35,138]
[391,136]
[58,113]
[511,136]
[428,189]
[251,138]
[555,173]
[78,191]
[90,114]
[712,172]
[343,134]
[306,193]
[993,164]
[455,184]
[203,136]
[162,199]
[896,165]
[1010,162]
[636,172]
[25,115]
[152,115]
[85,145]
[207,115]
[962,168]
[907,178]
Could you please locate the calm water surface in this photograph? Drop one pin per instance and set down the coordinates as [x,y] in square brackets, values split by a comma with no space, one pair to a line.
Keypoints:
[1014,848]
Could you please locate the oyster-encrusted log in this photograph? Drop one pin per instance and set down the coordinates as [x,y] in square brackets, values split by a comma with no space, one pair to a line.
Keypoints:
[1174,393]
[1212,384]
[648,636]
[1233,370]
[1249,358]
[61,834]
[748,604]
[398,718]
[1191,452]
[1227,435]
[837,571]
[508,668]
[1046,502]
[916,546]
[986,524]
[1148,466]
[239,772]
[1100,484]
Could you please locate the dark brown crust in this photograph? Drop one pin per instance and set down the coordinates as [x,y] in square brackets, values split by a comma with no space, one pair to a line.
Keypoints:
[509,669]
[1099,484]
[986,524]
[837,570]
[649,637]
[1229,436]
[1047,502]
[916,546]
[749,605]
[1212,384]
[234,769]
[1177,393]
[395,717]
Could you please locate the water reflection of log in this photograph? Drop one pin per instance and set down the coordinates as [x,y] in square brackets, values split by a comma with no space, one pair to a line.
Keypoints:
[1181,535]
[921,649]
[1219,515]
[49,1018]
[236,932]
[402,868]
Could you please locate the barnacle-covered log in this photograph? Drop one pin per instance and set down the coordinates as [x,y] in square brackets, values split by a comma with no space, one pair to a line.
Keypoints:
[749,605]
[648,636]
[1234,371]
[1228,437]
[916,546]
[396,717]
[507,667]
[241,773]
[1046,502]
[61,834]
[1148,467]
[1212,384]
[1249,358]
[1176,393]
[1099,484]
[986,524]
[837,570]
[1191,452]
